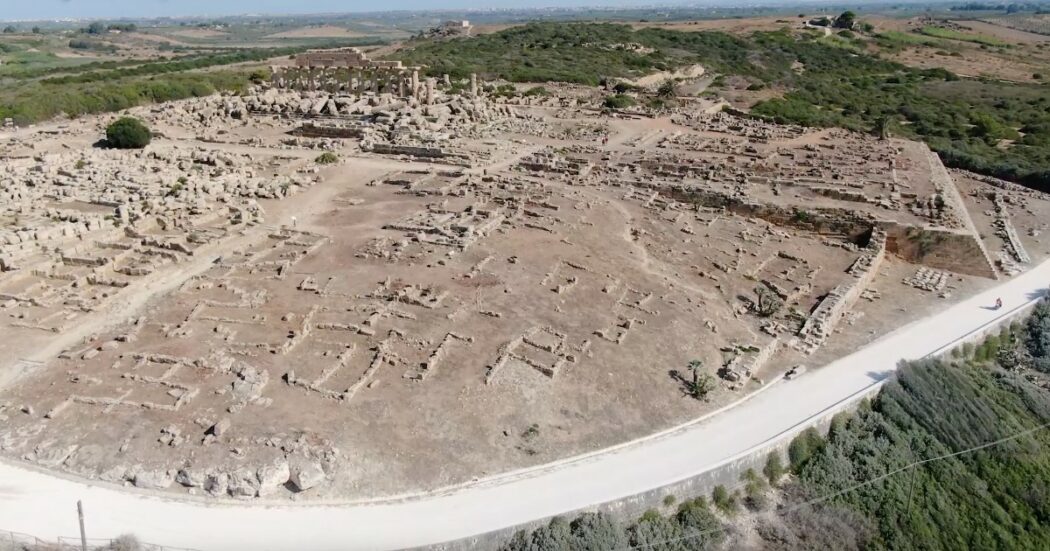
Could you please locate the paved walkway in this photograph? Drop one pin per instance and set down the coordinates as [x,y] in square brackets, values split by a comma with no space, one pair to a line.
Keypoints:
[44,505]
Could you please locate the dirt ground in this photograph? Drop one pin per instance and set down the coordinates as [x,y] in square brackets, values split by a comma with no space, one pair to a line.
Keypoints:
[745,25]
[413,325]
[1019,63]
[1007,34]
[323,31]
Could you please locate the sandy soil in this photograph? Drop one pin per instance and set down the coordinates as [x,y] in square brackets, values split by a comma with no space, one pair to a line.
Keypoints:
[737,26]
[973,62]
[1003,33]
[199,33]
[324,31]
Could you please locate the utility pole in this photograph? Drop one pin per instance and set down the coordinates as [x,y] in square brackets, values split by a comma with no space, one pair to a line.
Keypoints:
[83,534]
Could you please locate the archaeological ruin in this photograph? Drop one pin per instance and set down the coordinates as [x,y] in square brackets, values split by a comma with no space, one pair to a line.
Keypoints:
[220,314]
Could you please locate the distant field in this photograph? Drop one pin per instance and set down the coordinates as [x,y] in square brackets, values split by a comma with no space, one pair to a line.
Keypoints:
[1004,33]
[20,63]
[199,33]
[323,31]
[1033,23]
[898,38]
[940,32]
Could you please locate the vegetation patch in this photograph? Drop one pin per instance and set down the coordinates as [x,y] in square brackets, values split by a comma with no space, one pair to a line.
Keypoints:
[37,101]
[941,32]
[128,133]
[964,120]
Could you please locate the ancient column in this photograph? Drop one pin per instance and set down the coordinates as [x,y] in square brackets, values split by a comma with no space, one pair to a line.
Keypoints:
[473,85]
[415,84]
[430,91]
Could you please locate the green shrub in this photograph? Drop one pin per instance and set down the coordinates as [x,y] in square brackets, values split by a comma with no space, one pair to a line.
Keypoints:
[774,469]
[619,101]
[807,444]
[723,499]
[649,515]
[699,524]
[259,76]
[128,133]
[327,158]
[755,495]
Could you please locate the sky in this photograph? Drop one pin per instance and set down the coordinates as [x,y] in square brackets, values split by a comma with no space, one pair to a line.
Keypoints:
[61,9]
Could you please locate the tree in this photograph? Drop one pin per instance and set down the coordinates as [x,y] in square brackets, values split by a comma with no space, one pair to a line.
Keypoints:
[667,89]
[702,383]
[586,532]
[37,30]
[10,29]
[1037,338]
[657,534]
[596,531]
[774,468]
[882,127]
[699,525]
[846,21]
[807,444]
[95,28]
[128,133]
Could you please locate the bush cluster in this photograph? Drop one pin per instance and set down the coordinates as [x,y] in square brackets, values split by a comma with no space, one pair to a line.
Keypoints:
[128,133]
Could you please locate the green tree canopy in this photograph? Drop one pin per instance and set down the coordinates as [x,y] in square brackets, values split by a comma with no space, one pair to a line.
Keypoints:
[128,133]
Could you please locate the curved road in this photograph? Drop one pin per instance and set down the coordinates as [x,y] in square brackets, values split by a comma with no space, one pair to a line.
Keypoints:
[44,505]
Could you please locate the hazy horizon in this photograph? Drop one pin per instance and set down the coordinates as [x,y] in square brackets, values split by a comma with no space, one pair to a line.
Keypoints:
[63,9]
[114,9]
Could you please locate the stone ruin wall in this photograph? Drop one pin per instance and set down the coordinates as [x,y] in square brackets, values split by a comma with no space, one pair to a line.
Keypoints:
[954,251]
[822,321]
[822,221]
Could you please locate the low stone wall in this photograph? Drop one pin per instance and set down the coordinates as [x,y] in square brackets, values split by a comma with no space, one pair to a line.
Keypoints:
[311,130]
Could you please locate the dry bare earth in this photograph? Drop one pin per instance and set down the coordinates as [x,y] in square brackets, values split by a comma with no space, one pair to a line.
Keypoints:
[608,258]
[1037,23]
[736,26]
[1017,64]
[324,31]
[1004,33]
[199,33]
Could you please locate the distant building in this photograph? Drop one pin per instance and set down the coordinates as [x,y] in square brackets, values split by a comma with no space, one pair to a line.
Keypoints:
[454,28]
